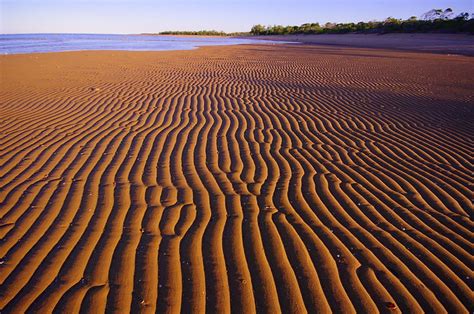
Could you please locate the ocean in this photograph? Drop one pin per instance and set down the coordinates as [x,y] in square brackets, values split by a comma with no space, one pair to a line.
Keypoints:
[38,43]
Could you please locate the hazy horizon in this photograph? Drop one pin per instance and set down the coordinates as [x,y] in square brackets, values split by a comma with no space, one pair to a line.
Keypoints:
[146,16]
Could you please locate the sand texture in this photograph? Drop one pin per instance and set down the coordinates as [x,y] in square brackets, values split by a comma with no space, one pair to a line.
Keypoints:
[244,178]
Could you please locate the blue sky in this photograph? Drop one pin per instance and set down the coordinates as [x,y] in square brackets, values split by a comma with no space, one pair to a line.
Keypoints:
[137,16]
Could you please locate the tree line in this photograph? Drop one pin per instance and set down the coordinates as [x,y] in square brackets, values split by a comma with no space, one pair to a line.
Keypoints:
[195,33]
[436,20]
[202,33]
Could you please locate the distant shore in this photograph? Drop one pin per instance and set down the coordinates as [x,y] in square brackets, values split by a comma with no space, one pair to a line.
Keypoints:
[191,36]
[462,44]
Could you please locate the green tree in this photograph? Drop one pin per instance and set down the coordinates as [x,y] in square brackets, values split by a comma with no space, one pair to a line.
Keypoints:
[258,30]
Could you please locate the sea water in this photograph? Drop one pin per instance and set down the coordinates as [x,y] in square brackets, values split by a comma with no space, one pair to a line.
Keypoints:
[36,43]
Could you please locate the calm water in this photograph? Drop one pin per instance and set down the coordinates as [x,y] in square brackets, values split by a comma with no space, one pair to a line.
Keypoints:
[31,43]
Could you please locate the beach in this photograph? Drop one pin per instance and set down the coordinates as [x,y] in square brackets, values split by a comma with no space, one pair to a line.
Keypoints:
[248,178]
[462,44]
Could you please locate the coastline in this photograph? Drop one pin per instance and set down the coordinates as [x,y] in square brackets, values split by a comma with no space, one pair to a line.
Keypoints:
[31,43]
[251,178]
[462,44]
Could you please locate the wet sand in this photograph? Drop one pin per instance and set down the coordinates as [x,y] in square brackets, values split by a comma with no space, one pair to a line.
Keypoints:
[462,44]
[249,178]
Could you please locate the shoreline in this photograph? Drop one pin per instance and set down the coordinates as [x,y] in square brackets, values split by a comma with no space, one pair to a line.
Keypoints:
[85,42]
[459,44]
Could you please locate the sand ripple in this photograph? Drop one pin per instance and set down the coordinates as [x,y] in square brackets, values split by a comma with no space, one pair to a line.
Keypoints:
[249,178]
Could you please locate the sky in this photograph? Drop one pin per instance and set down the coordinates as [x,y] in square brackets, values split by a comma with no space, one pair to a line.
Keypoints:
[151,16]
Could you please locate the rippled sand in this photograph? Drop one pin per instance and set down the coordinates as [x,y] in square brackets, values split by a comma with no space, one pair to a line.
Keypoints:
[244,178]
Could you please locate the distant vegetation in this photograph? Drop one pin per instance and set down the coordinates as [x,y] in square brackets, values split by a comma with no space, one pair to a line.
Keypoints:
[195,33]
[202,33]
[436,20]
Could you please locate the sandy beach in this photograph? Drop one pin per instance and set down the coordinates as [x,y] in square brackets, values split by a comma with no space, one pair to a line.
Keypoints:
[250,178]
[462,44]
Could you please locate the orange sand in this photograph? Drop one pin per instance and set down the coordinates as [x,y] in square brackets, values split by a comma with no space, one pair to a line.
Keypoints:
[243,178]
